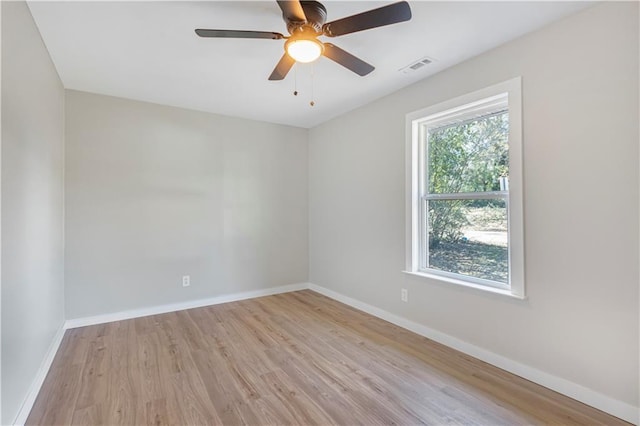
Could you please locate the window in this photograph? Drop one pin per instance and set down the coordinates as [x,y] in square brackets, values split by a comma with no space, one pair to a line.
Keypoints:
[464,191]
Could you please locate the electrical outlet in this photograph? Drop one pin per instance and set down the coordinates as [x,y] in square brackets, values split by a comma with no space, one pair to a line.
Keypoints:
[186,281]
[404,295]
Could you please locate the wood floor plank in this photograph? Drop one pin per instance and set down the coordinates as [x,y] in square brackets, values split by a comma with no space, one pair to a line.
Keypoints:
[219,387]
[294,358]
[300,406]
[87,416]
[94,382]
[55,404]
[155,413]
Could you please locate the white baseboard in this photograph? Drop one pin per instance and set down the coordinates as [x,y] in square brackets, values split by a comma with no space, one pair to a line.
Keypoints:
[173,307]
[34,389]
[573,390]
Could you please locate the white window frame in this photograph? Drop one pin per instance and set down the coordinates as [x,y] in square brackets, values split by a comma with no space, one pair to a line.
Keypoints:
[503,95]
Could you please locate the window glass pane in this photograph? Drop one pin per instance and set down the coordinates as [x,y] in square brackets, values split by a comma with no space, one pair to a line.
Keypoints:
[470,156]
[469,237]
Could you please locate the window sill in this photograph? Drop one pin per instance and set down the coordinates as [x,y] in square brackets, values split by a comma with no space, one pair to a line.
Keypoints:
[462,283]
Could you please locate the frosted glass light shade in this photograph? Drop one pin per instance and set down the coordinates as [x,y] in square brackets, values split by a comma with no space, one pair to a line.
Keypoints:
[304,50]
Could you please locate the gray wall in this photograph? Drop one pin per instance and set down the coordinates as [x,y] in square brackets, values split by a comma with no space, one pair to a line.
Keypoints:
[580,106]
[154,193]
[32,204]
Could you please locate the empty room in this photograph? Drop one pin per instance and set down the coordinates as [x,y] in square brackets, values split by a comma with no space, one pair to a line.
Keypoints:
[327,213]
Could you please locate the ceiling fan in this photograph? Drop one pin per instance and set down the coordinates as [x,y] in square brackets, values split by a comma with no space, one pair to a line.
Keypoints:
[306,22]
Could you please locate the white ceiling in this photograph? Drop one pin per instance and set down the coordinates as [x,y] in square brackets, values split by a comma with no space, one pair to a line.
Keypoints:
[148,51]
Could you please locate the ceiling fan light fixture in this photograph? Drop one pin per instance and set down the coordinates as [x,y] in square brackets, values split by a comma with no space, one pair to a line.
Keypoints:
[305,20]
[304,50]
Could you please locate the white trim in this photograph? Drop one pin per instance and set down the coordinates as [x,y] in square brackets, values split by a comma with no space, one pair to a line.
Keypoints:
[38,380]
[492,195]
[516,188]
[173,307]
[508,92]
[466,283]
[0,219]
[573,390]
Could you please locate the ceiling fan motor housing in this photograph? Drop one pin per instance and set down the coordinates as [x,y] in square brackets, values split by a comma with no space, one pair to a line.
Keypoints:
[316,15]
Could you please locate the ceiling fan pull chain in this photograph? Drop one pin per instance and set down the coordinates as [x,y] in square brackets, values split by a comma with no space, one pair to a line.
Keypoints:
[313,67]
[295,81]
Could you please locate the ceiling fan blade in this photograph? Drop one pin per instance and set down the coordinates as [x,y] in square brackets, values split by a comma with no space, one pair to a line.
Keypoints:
[239,34]
[385,15]
[347,60]
[292,10]
[283,67]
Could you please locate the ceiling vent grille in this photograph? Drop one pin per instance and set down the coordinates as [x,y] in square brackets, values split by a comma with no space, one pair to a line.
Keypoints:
[416,65]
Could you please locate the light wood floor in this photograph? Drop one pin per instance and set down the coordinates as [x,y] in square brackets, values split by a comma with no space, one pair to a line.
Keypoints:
[295,358]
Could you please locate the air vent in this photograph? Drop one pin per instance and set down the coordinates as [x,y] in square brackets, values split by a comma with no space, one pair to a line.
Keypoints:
[416,65]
